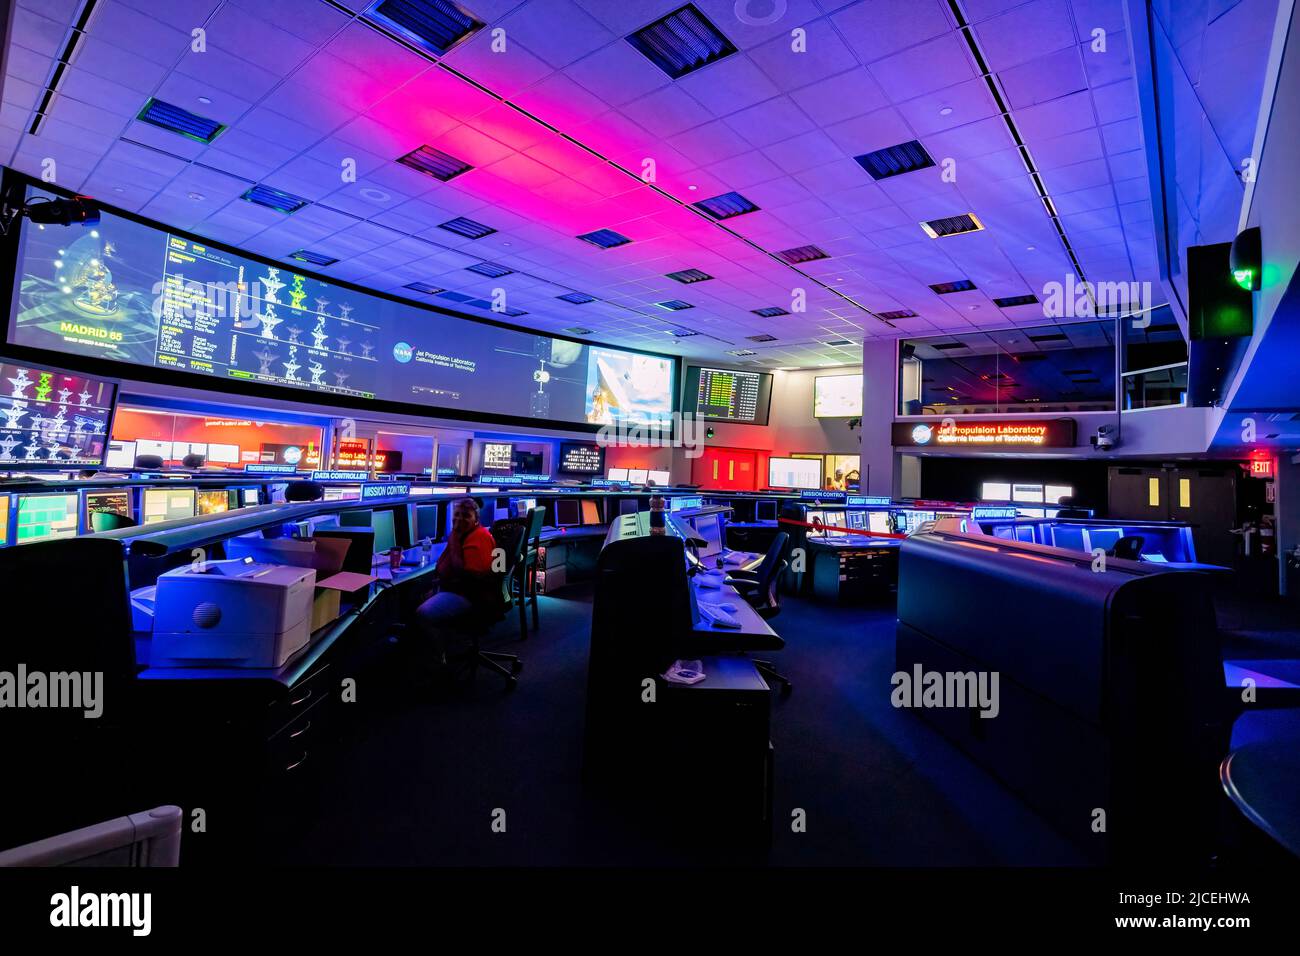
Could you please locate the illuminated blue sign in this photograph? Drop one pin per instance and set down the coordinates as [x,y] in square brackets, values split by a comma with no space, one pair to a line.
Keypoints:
[339,475]
[257,469]
[385,489]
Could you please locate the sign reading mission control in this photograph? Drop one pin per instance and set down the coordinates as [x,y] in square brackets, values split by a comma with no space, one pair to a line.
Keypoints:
[1005,433]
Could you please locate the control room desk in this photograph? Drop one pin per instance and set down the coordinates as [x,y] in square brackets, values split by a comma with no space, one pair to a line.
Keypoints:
[852,566]
[249,740]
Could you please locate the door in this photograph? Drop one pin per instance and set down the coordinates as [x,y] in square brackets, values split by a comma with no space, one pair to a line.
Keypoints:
[726,469]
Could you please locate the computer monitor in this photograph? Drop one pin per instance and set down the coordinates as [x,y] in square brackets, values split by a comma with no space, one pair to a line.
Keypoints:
[106,502]
[814,516]
[567,513]
[385,530]
[359,518]
[342,493]
[426,522]
[638,476]
[765,510]
[590,512]
[662,479]
[617,474]
[629,506]
[250,496]
[4,521]
[878,521]
[164,504]
[219,454]
[120,454]
[709,527]
[148,446]
[521,506]
[857,520]
[212,502]
[837,519]
[43,517]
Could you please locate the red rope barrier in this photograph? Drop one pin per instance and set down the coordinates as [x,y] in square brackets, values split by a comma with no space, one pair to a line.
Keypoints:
[826,527]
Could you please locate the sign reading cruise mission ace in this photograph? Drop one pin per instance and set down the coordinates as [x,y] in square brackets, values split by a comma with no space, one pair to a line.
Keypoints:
[985,433]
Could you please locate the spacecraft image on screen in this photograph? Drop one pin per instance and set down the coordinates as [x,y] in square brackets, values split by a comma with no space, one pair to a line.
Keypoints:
[626,387]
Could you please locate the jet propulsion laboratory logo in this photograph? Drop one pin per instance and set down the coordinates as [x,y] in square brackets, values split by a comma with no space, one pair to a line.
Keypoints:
[921,434]
[403,352]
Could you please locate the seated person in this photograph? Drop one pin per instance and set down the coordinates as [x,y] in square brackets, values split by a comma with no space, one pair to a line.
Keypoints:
[465,580]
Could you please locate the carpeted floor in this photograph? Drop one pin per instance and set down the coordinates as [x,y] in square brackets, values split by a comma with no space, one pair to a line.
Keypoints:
[416,779]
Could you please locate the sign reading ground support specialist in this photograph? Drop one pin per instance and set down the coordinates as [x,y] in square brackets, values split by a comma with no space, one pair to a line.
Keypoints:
[1003,433]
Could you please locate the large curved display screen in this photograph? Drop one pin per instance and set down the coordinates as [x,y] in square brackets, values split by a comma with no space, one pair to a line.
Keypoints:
[129,292]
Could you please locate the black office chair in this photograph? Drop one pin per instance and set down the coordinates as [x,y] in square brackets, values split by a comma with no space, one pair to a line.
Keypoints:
[759,588]
[510,535]
[304,491]
[148,462]
[1128,547]
[109,521]
[526,575]
[194,461]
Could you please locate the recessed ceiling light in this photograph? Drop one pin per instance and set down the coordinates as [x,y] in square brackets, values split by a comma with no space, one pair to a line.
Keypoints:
[692,187]
[1029,248]
[197,197]
[375,195]
[945,111]
[205,100]
[118,189]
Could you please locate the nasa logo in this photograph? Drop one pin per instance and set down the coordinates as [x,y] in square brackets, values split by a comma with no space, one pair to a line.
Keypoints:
[292,455]
[403,352]
[921,434]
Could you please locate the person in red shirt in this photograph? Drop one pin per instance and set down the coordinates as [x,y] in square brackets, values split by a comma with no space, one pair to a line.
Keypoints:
[465,578]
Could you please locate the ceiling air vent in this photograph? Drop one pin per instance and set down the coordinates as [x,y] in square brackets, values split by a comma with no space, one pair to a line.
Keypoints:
[315,258]
[424,287]
[176,120]
[490,269]
[945,346]
[839,343]
[761,338]
[577,298]
[741,352]
[274,199]
[1010,301]
[467,228]
[577,330]
[687,276]
[801,254]
[434,162]
[952,226]
[771,312]
[895,160]
[1049,337]
[726,206]
[945,288]
[605,238]
[897,314]
[682,333]
[674,305]
[682,42]
[433,25]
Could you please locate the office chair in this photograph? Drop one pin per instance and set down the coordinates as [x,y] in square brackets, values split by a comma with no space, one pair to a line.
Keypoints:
[527,572]
[758,587]
[1128,547]
[109,521]
[304,491]
[510,535]
[149,462]
[194,461]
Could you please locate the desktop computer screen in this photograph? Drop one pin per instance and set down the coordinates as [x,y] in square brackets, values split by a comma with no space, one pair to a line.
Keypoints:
[148,446]
[662,479]
[164,504]
[765,510]
[120,454]
[638,476]
[385,530]
[567,513]
[813,517]
[857,520]
[4,521]
[45,516]
[213,502]
[112,502]
[837,519]
[617,474]
[521,506]
[710,529]
[426,522]
[878,521]
[590,512]
[629,506]
[250,496]
[342,493]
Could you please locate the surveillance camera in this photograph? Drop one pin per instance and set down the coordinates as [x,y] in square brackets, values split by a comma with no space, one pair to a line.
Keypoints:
[1104,440]
[81,210]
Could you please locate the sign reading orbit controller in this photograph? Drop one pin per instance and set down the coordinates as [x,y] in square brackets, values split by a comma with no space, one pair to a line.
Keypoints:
[1002,433]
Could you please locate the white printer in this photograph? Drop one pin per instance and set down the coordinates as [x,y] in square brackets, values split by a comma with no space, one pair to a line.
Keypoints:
[233,613]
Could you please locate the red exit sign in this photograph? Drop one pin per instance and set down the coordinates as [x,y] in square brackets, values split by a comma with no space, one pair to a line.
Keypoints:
[1261,467]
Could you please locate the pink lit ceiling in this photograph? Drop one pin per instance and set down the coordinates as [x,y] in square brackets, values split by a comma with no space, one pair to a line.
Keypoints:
[559,127]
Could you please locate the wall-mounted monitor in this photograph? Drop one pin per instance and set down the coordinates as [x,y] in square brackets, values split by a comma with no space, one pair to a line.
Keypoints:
[726,395]
[4,521]
[498,456]
[837,396]
[223,316]
[581,458]
[51,419]
[794,473]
